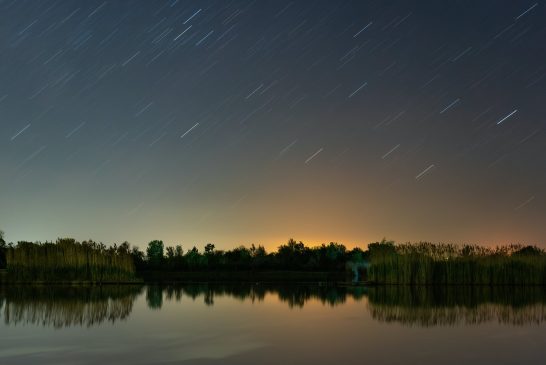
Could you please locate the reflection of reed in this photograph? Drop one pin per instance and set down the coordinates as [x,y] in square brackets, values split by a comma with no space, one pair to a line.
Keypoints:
[448,306]
[450,316]
[67,306]
[409,305]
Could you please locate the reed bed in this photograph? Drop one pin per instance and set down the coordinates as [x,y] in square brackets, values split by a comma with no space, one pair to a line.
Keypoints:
[67,260]
[439,264]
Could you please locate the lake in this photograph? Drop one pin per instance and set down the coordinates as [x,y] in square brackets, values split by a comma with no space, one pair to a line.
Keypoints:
[271,324]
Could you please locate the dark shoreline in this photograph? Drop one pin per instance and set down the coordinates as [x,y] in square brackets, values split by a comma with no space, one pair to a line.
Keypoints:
[162,277]
[335,278]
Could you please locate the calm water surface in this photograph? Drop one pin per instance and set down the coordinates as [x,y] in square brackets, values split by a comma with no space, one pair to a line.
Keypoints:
[271,324]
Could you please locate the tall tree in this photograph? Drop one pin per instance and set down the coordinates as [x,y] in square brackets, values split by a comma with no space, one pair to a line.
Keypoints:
[154,252]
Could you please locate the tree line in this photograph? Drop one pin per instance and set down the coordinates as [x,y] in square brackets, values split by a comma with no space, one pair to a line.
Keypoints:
[384,262]
[88,260]
[290,256]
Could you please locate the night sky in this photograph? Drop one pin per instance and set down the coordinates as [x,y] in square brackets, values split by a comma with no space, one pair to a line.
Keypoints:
[238,122]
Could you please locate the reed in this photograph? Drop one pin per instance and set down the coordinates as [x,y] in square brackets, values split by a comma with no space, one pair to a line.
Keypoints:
[67,260]
[437,264]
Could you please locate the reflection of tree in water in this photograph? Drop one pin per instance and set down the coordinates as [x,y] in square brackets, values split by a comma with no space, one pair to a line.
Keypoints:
[154,296]
[297,295]
[420,306]
[436,306]
[209,291]
[413,306]
[293,295]
[67,306]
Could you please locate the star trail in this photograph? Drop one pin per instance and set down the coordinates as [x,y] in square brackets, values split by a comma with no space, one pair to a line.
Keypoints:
[239,122]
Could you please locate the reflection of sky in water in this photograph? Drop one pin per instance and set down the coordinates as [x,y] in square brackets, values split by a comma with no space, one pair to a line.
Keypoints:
[235,331]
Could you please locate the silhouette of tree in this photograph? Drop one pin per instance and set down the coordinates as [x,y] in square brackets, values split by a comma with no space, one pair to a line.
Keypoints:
[154,252]
[3,248]
[194,260]
[178,257]
[169,259]
[138,257]
[124,248]
[238,258]
[292,255]
[259,256]
[170,252]
[209,248]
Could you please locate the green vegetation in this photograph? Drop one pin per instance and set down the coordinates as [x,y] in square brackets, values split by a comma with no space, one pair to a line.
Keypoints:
[382,263]
[292,256]
[68,260]
[154,252]
[439,264]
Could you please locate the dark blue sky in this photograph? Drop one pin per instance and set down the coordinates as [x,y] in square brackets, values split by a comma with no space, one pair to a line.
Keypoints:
[239,122]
